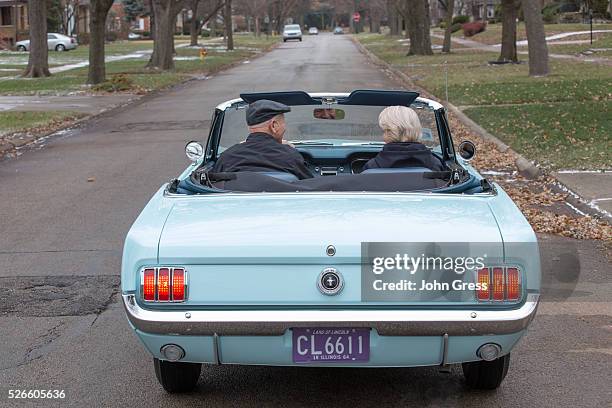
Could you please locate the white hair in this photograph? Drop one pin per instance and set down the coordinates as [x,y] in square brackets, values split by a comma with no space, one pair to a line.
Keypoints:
[400,124]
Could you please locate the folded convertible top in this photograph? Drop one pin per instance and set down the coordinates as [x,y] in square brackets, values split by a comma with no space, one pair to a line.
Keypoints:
[257,182]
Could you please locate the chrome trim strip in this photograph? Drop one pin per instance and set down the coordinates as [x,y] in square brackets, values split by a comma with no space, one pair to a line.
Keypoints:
[216,354]
[444,363]
[387,322]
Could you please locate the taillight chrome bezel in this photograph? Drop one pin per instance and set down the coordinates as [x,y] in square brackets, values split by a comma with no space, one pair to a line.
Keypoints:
[171,284]
[504,298]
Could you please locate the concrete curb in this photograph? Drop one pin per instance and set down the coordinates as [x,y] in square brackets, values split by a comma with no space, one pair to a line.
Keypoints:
[9,146]
[524,166]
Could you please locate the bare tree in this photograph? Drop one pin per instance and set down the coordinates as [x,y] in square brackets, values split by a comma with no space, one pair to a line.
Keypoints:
[229,28]
[97,28]
[164,12]
[256,9]
[536,38]
[508,45]
[198,19]
[450,9]
[38,61]
[416,15]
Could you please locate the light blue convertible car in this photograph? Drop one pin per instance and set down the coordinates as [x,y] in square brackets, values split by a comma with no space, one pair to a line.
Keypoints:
[398,267]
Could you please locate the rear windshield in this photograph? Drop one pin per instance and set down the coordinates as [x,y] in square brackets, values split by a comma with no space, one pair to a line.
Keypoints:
[340,123]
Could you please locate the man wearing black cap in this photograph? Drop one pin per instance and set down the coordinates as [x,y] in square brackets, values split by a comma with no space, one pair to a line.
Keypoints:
[263,149]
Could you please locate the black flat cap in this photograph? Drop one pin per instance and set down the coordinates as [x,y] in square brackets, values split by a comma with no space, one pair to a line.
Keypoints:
[263,110]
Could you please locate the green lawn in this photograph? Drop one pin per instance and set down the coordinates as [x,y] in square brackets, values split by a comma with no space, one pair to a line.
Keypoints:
[561,121]
[74,80]
[15,121]
[492,35]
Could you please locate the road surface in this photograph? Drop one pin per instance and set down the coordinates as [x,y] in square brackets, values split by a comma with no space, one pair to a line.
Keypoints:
[66,207]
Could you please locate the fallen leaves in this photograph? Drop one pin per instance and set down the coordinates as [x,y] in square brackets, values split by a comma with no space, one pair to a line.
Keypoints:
[543,207]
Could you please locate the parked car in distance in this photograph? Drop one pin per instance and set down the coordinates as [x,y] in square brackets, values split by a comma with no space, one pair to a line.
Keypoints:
[134,36]
[55,41]
[338,30]
[313,31]
[292,32]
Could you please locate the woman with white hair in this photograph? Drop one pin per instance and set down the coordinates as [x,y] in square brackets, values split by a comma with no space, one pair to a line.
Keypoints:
[402,134]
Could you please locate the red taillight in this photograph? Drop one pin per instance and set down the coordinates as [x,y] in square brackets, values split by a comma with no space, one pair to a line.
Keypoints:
[163,284]
[513,283]
[178,284]
[484,281]
[498,283]
[148,287]
[503,283]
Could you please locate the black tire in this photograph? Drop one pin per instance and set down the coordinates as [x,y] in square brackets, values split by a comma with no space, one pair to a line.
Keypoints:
[177,377]
[60,47]
[486,375]
[300,40]
[22,48]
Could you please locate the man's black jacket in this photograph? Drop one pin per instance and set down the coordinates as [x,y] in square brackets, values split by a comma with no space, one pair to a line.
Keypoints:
[261,152]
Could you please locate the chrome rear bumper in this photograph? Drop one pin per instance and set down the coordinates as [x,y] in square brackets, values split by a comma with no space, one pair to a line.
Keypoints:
[386,322]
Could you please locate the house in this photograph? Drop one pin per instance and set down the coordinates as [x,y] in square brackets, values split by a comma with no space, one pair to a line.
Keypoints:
[13,22]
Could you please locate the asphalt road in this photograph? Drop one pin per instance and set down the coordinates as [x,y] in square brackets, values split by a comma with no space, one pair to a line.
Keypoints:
[66,206]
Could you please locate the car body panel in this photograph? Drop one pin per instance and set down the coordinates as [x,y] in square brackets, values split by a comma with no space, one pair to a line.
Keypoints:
[253,260]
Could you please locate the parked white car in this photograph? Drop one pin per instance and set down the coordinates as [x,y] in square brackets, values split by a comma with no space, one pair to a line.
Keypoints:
[292,32]
[55,41]
[313,31]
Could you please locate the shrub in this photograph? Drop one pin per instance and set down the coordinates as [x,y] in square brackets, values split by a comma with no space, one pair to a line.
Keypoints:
[83,38]
[570,17]
[471,29]
[117,83]
[442,24]
[550,13]
[461,19]
[110,36]
[456,27]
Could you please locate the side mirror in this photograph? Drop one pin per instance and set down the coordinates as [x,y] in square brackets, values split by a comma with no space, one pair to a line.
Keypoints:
[467,150]
[194,151]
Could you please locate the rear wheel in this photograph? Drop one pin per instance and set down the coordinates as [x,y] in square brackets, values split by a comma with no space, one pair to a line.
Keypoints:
[60,47]
[21,48]
[177,377]
[486,375]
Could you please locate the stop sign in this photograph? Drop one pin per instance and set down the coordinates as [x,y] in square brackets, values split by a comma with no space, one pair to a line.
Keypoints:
[356,17]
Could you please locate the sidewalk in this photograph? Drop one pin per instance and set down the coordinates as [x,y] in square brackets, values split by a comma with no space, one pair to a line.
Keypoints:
[471,44]
[594,188]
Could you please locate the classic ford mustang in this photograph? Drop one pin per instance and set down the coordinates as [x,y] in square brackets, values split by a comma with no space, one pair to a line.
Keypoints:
[395,267]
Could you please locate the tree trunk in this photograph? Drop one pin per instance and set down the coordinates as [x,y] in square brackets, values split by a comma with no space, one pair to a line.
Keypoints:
[450,9]
[392,18]
[38,61]
[508,45]
[194,27]
[538,51]
[97,28]
[163,44]
[229,30]
[151,20]
[257,27]
[418,27]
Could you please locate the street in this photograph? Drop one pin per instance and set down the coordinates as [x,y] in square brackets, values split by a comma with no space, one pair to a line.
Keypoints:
[67,205]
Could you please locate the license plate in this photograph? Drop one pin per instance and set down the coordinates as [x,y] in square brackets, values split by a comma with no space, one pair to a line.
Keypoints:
[327,345]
